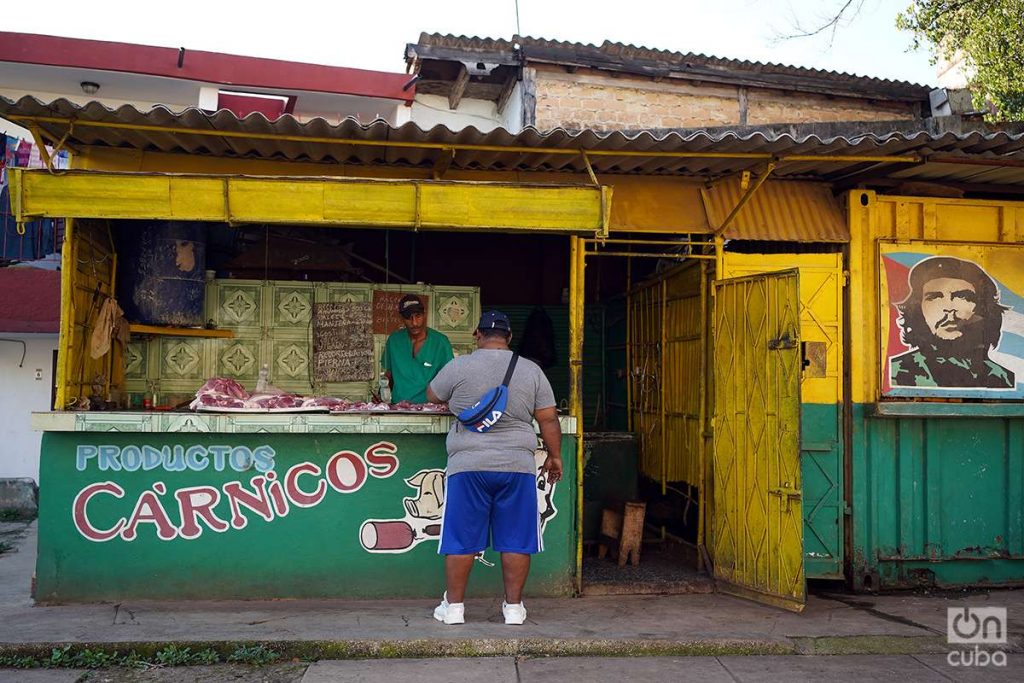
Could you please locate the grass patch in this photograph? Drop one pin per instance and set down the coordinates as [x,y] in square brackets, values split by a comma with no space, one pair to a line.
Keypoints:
[172,655]
[257,655]
[71,657]
[147,654]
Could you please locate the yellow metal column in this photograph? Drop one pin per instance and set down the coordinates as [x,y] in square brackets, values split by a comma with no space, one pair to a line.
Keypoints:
[661,389]
[115,376]
[702,479]
[577,265]
[629,345]
[67,314]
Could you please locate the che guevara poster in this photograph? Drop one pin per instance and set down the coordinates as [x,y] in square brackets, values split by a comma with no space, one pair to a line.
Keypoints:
[952,320]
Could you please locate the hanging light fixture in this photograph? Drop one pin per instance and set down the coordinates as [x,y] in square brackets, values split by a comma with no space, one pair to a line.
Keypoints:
[89,88]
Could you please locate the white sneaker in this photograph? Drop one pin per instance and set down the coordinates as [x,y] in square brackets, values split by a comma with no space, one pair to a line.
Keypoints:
[514,614]
[450,612]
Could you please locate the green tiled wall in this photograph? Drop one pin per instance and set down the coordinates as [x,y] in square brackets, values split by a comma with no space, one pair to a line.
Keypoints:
[271,322]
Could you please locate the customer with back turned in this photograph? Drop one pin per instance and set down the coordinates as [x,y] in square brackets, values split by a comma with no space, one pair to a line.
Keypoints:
[491,483]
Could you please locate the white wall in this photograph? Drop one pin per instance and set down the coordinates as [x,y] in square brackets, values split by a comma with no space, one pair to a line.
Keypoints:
[21,394]
[432,110]
[512,117]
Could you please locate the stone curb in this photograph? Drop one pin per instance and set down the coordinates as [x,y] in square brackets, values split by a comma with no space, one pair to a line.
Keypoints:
[432,648]
[526,647]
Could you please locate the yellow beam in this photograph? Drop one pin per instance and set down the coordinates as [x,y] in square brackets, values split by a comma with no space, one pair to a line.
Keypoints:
[745,198]
[662,353]
[37,135]
[415,204]
[640,254]
[629,345]
[136,328]
[176,130]
[702,440]
[577,279]
[640,242]
[67,313]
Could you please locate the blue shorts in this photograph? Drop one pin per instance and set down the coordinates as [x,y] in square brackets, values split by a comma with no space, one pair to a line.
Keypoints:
[498,505]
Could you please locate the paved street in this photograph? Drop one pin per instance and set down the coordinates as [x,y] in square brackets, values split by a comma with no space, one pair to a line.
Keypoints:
[792,668]
[707,637]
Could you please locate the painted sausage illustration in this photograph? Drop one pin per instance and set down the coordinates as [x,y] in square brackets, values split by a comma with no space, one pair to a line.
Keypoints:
[394,534]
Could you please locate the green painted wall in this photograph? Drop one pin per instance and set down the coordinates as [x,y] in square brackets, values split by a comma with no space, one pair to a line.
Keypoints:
[821,470]
[593,355]
[938,500]
[313,551]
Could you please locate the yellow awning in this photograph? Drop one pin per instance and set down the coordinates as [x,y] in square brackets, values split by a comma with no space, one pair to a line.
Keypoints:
[413,204]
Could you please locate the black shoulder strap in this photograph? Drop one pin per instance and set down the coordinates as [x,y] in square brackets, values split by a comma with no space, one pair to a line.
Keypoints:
[511,369]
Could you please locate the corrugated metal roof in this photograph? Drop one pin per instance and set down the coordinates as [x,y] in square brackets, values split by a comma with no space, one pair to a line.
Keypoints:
[648,61]
[192,131]
[791,212]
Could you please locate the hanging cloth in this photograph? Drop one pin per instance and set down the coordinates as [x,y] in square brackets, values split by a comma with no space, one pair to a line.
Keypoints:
[109,323]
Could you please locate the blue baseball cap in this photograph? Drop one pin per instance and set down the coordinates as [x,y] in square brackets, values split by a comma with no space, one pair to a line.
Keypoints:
[494,320]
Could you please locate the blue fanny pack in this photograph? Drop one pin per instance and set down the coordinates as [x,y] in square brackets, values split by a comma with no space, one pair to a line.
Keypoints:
[483,414]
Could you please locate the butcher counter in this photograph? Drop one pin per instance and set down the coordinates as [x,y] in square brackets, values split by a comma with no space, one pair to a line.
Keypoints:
[183,505]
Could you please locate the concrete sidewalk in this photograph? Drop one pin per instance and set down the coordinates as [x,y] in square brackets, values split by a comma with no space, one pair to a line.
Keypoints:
[790,668]
[906,668]
[606,626]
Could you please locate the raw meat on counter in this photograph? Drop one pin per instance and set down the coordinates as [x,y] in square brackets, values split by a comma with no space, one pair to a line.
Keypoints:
[222,392]
[363,406]
[420,407]
[217,401]
[275,401]
[223,385]
[327,402]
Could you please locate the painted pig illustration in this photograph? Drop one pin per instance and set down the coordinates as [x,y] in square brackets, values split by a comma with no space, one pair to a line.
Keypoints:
[430,496]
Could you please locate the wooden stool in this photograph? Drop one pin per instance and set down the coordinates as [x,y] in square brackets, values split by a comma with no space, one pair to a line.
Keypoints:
[622,531]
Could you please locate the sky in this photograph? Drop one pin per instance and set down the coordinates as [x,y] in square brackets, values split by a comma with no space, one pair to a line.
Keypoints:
[373,35]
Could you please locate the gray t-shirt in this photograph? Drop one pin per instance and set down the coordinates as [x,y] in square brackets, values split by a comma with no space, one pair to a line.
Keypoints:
[508,446]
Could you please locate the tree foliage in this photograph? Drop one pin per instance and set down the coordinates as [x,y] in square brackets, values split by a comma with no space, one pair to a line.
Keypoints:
[990,36]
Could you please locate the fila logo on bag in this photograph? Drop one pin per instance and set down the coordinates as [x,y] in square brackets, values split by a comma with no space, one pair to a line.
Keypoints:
[488,421]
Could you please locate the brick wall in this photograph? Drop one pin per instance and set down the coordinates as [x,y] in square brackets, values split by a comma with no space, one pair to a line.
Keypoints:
[602,103]
[773,106]
[596,100]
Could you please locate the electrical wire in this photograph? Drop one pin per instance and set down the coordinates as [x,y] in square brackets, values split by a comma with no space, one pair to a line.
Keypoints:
[24,349]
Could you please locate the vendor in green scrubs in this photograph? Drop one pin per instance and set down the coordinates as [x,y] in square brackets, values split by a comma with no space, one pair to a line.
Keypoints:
[413,356]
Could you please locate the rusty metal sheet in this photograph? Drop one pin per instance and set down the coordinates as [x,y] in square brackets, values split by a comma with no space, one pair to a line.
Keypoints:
[779,210]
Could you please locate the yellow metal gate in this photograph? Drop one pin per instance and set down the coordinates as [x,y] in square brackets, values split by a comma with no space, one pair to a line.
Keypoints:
[758,522]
